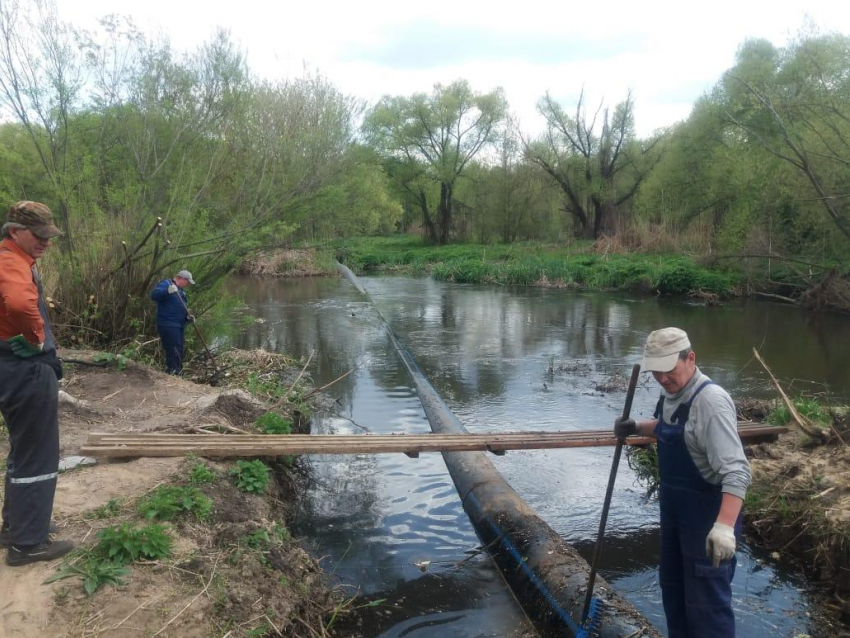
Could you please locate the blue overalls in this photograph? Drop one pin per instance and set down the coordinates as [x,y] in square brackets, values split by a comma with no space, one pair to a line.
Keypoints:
[697,596]
[171,318]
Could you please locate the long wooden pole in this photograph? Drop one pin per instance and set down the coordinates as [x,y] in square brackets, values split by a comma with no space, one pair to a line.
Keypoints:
[600,537]
[243,444]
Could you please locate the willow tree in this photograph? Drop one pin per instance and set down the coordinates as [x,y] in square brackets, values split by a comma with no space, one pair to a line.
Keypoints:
[795,103]
[41,78]
[431,139]
[597,161]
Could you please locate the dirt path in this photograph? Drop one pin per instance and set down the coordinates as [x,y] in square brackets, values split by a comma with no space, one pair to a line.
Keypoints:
[139,399]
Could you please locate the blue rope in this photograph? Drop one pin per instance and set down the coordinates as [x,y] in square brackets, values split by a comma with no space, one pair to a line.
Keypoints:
[529,573]
[590,624]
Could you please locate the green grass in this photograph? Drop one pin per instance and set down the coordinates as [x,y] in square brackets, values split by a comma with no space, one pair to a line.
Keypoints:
[528,264]
[807,407]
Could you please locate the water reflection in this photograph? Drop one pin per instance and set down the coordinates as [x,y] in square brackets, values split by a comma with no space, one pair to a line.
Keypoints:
[513,360]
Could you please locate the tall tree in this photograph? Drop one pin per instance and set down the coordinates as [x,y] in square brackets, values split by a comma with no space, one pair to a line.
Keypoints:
[596,161]
[41,76]
[432,138]
[795,103]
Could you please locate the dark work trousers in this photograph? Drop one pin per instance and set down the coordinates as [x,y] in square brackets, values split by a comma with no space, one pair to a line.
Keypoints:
[172,344]
[697,596]
[29,402]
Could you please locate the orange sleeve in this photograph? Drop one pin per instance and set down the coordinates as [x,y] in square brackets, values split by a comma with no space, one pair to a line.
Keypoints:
[19,302]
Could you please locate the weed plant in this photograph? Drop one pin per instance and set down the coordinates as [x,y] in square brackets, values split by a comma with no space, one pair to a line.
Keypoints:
[110,509]
[810,408]
[125,544]
[258,539]
[118,546]
[94,572]
[251,476]
[266,386]
[167,501]
[644,461]
[201,474]
[271,423]
[281,533]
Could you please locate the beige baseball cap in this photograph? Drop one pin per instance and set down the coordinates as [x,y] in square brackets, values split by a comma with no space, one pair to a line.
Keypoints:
[662,349]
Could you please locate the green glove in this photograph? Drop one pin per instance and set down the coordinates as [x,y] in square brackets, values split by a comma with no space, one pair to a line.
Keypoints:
[23,348]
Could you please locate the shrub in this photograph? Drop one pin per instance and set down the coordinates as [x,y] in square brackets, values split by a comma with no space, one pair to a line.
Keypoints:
[251,476]
[167,501]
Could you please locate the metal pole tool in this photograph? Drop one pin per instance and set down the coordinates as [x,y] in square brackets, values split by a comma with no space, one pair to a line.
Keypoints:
[618,450]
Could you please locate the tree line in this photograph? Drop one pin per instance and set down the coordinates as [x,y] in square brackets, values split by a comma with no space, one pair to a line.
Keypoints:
[151,158]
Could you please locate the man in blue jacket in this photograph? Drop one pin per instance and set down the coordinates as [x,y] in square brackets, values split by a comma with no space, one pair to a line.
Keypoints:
[172,315]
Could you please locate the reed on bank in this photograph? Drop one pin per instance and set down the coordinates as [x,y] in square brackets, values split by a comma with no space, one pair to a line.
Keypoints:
[533,264]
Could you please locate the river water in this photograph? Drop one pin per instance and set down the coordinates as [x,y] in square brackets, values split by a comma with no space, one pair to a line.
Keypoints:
[503,359]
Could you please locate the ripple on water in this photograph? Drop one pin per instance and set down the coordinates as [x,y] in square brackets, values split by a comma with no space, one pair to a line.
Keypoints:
[487,351]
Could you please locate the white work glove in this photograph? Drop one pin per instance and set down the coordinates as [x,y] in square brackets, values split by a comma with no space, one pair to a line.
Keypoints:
[172,289]
[720,543]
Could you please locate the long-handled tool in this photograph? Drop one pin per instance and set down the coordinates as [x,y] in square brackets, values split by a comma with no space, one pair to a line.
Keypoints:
[588,618]
[198,332]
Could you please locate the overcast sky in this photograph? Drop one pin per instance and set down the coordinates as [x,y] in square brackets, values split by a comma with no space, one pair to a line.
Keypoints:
[667,53]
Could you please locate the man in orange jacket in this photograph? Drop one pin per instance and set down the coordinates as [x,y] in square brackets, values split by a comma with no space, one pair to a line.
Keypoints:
[29,391]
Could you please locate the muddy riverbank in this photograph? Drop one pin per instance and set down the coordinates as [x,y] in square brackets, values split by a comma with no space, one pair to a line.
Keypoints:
[798,507]
[219,561]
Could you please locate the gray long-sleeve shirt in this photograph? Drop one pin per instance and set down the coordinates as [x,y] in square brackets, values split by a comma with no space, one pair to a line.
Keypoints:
[711,435]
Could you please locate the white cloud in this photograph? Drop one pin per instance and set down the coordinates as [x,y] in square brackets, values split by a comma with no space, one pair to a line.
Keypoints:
[668,53]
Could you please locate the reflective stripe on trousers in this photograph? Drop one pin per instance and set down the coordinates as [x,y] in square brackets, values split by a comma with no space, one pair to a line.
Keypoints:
[33,479]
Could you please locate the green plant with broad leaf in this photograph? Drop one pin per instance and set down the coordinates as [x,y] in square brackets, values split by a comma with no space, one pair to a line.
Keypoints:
[167,501]
[125,544]
[251,476]
[271,423]
[94,573]
[201,474]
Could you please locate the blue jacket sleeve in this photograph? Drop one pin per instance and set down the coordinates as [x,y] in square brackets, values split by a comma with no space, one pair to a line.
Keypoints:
[160,291]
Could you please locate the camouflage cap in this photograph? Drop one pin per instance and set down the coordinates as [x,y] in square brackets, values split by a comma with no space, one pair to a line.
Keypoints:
[35,216]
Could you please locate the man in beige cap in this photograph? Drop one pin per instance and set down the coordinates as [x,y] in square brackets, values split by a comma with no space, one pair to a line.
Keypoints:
[29,401]
[704,478]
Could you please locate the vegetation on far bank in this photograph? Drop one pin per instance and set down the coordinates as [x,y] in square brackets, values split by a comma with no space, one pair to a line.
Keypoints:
[535,264]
